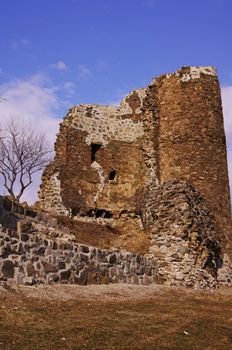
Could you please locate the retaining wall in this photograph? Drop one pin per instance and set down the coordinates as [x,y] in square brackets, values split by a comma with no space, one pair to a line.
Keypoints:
[27,258]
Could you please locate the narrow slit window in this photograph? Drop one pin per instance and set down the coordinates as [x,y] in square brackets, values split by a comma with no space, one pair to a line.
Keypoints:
[94,149]
[112,175]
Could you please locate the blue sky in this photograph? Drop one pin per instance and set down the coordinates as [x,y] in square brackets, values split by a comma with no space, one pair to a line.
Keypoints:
[56,53]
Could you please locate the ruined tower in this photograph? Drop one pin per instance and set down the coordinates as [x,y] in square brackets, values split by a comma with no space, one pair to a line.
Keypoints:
[111,159]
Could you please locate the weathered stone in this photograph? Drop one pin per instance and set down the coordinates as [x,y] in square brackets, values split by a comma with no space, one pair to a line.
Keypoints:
[149,127]
[180,276]
[20,249]
[24,237]
[68,246]
[65,275]
[8,269]
[61,265]
[48,267]
[55,278]
[150,157]
[29,281]
[23,226]
[41,251]
[55,245]
[85,248]
[30,269]
[112,259]
[5,251]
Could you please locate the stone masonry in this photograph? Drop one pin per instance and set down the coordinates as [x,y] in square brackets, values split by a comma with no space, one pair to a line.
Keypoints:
[110,159]
[37,249]
[160,154]
[157,159]
[29,258]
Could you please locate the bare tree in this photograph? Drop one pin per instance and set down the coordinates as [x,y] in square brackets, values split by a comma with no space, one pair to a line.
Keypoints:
[23,152]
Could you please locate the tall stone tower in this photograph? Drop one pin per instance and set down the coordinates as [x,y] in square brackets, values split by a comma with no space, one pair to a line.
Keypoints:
[111,159]
[192,143]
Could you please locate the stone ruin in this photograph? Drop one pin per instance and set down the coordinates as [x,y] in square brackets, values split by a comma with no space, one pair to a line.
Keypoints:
[155,163]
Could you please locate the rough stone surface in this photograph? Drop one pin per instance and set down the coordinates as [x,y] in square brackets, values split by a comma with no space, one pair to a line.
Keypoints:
[184,237]
[172,129]
[157,160]
[39,260]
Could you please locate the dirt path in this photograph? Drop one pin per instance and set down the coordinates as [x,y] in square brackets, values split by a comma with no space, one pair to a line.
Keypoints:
[107,292]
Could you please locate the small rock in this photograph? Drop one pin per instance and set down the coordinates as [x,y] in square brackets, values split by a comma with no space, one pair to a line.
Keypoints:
[179,276]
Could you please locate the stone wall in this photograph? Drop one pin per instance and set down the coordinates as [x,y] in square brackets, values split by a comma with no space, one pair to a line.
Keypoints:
[107,177]
[192,144]
[184,237]
[185,247]
[30,258]
[159,157]
[112,158]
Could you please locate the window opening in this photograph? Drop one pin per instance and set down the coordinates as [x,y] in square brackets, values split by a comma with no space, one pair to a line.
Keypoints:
[94,149]
[112,175]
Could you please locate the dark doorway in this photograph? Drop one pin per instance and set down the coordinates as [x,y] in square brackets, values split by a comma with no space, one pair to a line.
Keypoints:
[94,149]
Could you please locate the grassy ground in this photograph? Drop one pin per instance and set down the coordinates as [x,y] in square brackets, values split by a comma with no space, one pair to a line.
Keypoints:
[169,320]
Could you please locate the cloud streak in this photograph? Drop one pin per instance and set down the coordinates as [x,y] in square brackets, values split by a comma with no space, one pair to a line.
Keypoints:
[84,72]
[60,66]
[21,43]
[70,87]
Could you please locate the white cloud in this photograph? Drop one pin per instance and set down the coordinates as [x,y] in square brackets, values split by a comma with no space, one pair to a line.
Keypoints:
[227,111]
[31,100]
[70,87]
[22,43]
[84,72]
[59,65]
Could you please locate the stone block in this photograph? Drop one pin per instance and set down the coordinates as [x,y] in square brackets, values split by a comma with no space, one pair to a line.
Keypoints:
[65,275]
[48,267]
[23,225]
[8,269]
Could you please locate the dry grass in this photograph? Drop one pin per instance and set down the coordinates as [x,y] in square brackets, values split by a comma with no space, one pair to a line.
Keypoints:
[168,320]
[126,235]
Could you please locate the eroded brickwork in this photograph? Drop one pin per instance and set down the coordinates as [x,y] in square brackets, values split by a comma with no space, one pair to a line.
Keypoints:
[113,161]
[112,158]
[99,161]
